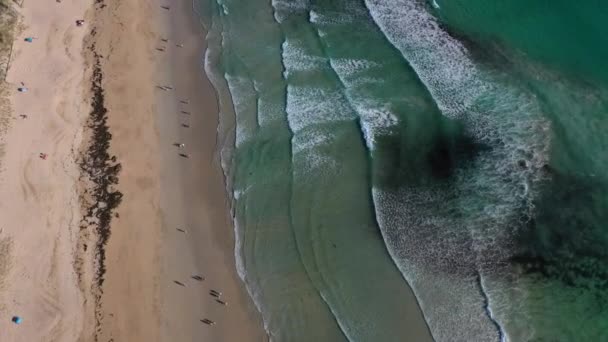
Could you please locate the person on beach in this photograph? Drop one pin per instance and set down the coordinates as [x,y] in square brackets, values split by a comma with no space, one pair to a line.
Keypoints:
[184,155]
[181,145]
[208,321]
[184,101]
[179,45]
[79,22]
[43,156]
[22,89]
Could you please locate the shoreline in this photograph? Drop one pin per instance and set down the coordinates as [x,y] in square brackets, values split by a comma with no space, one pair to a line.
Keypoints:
[163,191]
[204,193]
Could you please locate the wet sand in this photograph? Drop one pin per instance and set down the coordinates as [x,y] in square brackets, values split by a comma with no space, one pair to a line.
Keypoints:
[147,257]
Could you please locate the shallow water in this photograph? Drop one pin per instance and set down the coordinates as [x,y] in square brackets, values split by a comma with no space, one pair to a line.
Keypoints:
[449,148]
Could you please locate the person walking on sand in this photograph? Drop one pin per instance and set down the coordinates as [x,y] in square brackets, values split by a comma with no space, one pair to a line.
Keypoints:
[207,321]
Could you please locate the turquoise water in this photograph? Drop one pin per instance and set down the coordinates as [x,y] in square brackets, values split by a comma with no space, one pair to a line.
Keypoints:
[451,150]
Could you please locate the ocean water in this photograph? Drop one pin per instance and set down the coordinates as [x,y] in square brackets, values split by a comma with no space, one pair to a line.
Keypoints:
[406,170]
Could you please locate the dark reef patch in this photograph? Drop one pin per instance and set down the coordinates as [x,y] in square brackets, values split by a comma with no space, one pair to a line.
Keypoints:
[424,154]
[422,157]
[567,239]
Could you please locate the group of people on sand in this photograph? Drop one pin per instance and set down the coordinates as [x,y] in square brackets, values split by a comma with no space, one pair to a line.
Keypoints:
[217,295]
[24,89]
[213,293]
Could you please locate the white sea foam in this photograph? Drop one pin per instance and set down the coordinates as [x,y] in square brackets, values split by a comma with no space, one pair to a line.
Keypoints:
[332,18]
[489,193]
[285,8]
[270,111]
[310,140]
[244,100]
[351,68]
[460,88]
[376,116]
[297,59]
[315,106]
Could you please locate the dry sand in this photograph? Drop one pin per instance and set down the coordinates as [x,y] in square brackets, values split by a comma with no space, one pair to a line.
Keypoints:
[51,279]
[39,208]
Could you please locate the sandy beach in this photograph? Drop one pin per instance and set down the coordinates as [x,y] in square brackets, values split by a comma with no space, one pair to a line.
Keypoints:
[163,191]
[72,266]
[40,208]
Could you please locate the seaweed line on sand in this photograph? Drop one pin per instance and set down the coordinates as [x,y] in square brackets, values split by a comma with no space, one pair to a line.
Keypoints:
[101,172]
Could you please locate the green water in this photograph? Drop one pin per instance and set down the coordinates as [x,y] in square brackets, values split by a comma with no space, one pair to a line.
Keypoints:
[378,150]
[569,37]
[558,50]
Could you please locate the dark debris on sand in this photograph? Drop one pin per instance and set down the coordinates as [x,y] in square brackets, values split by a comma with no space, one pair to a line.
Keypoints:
[101,171]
